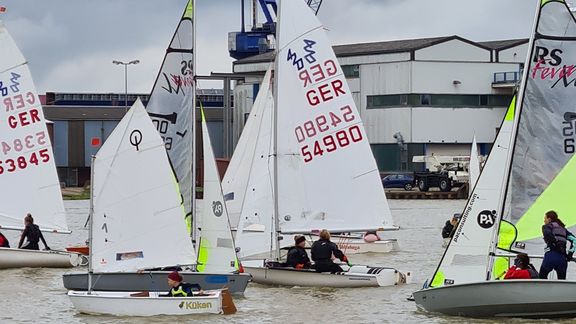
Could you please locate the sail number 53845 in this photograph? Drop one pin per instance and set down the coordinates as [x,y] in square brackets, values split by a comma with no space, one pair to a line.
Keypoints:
[22,162]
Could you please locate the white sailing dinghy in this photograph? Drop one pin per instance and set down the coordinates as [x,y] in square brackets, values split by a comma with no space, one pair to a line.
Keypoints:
[313,168]
[137,222]
[27,169]
[537,165]
[170,108]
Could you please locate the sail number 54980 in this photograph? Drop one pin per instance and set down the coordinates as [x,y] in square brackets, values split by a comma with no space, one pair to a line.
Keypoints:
[331,143]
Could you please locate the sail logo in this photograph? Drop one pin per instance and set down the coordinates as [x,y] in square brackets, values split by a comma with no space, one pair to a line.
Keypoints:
[298,62]
[217,208]
[568,132]
[548,67]
[487,218]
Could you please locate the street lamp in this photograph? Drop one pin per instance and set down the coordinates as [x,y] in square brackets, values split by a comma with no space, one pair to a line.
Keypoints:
[126,78]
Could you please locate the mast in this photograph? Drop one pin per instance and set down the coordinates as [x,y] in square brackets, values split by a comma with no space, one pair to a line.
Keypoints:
[276,231]
[508,165]
[193,129]
[91,224]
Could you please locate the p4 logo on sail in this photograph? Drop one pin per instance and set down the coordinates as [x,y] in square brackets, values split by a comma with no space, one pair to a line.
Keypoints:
[486,218]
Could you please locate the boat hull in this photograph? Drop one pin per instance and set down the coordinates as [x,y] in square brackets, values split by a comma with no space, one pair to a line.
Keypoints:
[506,298]
[19,258]
[154,281]
[358,246]
[123,304]
[311,278]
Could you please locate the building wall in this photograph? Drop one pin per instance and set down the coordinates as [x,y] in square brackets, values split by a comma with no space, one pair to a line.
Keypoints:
[454,50]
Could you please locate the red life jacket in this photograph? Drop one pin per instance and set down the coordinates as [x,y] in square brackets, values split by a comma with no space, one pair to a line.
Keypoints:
[4,241]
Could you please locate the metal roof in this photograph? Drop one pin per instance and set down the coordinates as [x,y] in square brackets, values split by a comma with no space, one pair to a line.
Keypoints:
[395,46]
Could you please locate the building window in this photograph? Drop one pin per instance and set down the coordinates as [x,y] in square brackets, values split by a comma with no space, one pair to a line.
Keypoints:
[436,100]
[351,71]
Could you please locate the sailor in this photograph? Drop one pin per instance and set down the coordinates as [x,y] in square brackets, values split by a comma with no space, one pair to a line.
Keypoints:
[522,268]
[4,241]
[297,255]
[178,288]
[32,234]
[448,230]
[555,235]
[322,251]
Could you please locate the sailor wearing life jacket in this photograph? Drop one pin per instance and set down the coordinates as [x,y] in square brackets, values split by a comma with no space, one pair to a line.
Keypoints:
[322,251]
[522,268]
[555,236]
[297,256]
[179,288]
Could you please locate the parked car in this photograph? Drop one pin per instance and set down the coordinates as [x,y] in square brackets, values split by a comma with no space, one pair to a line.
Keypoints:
[405,181]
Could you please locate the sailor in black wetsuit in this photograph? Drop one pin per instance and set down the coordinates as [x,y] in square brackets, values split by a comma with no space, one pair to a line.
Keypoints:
[322,251]
[297,255]
[32,234]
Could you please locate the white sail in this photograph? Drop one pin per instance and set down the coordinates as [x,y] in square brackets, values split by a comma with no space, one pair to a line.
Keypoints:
[138,219]
[217,252]
[255,196]
[327,175]
[27,168]
[474,165]
[171,101]
[466,257]
[235,182]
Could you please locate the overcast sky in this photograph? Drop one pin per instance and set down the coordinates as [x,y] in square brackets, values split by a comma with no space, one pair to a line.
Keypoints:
[70,44]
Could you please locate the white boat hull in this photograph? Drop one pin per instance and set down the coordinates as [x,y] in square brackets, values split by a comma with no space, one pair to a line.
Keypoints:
[504,298]
[357,276]
[19,258]
[123,304]
[358,246]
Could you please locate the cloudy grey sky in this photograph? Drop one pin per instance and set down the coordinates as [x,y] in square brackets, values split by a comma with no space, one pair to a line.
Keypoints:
[70,44]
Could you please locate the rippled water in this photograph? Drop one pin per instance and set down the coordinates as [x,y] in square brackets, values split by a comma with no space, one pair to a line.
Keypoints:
[38,294]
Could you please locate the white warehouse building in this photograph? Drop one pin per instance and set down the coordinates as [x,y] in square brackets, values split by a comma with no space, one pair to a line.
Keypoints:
[418,96]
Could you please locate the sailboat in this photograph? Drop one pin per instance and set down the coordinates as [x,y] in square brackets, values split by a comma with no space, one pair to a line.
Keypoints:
[170,108]
[529,171]
[312,167]
[27,168]
[129,204]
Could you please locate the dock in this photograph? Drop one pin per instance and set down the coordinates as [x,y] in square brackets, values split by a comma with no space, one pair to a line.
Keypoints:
[456,193]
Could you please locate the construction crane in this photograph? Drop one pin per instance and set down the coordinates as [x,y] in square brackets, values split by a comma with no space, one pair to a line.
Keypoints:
[260,38]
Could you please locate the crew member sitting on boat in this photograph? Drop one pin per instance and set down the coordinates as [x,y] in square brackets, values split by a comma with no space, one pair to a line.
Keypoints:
[371,237]
[297,255]
[448,230]
[322,251]
[180,288]
[522,268]
[555,235]
[32,234]
[4,241]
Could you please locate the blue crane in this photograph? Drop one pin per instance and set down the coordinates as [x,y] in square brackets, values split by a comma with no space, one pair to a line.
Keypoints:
[245,43]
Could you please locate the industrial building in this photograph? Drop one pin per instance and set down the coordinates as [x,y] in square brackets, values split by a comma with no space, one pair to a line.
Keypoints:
[81,122]
[417,96]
